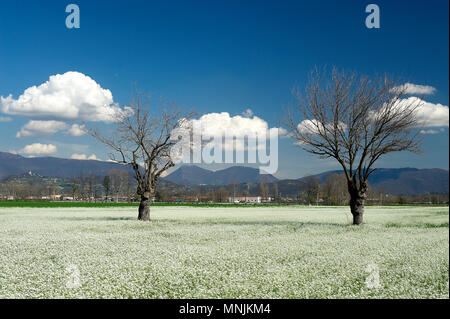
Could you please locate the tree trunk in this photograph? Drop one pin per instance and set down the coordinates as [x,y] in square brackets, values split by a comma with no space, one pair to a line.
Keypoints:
[144,207]
[357,208]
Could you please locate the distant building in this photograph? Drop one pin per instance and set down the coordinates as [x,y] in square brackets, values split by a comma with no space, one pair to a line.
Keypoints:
[267,199]
[245,199]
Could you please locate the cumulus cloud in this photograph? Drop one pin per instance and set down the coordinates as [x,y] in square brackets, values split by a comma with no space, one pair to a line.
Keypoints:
[5,119]
[222,124]
[429,114]
[77,130]
[216,134]
[38,149]
[218,123]
[84,157]
[220,131]
[40,128]
[410,88]
[68,96]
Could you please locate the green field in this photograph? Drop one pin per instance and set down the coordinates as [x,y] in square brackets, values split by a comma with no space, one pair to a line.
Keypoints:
[218,252]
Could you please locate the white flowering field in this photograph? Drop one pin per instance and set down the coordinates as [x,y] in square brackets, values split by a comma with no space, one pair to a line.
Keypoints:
[189,252]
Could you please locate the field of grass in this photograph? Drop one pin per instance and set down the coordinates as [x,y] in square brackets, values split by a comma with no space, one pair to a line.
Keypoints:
[217,252]
[62,204]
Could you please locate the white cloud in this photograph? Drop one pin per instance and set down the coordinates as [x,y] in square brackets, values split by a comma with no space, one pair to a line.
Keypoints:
[40,128]
[308,126]
[68,96]
[77,130]
[429,131]
[78,156]
[84,157]
[222,124]
[38,149]
[93,157]
[5,119]
[410,88]
[234,135]
[216,124]
[36,128]
[429,114]
[311,126]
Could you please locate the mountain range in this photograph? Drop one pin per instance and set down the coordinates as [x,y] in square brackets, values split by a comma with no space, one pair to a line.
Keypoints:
[12,164]
[194,175]
[408,180]
[391,180]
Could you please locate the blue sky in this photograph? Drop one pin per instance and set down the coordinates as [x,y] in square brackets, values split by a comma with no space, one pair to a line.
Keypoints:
[221,56]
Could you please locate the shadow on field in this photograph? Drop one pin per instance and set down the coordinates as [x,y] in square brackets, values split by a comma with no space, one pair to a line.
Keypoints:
[106,218]
[211,222]
[417,225]
[294,224]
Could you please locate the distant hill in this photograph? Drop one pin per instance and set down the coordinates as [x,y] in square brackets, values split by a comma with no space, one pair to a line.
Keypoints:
[11,164]
[194,175]
[407,181]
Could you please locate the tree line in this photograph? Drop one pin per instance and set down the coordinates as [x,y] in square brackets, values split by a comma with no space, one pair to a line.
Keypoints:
[117,185]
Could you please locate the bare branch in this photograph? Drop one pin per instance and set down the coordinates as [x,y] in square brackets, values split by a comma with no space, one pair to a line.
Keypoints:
[142,138]
[355,120]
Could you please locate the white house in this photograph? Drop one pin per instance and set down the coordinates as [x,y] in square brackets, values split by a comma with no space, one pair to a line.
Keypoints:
[245,199]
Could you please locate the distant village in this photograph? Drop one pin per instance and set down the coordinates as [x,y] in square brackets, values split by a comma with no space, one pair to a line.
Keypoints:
[119,186]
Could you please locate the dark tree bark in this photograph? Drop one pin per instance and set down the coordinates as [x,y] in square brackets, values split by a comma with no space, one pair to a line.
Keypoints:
[358,195]
[144,208]
[357,209]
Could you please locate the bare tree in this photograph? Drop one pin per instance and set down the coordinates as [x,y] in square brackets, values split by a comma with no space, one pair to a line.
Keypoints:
[222,195]
[107,186]
[143,140]
[82,185]
[262,190]
[335,189]
[234,188]
[91,185]
[74,187]
[355,120]
[275,192]
[118,181]
[312,190]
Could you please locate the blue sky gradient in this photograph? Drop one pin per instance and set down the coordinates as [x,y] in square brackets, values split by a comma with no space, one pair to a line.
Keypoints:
[216,56]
